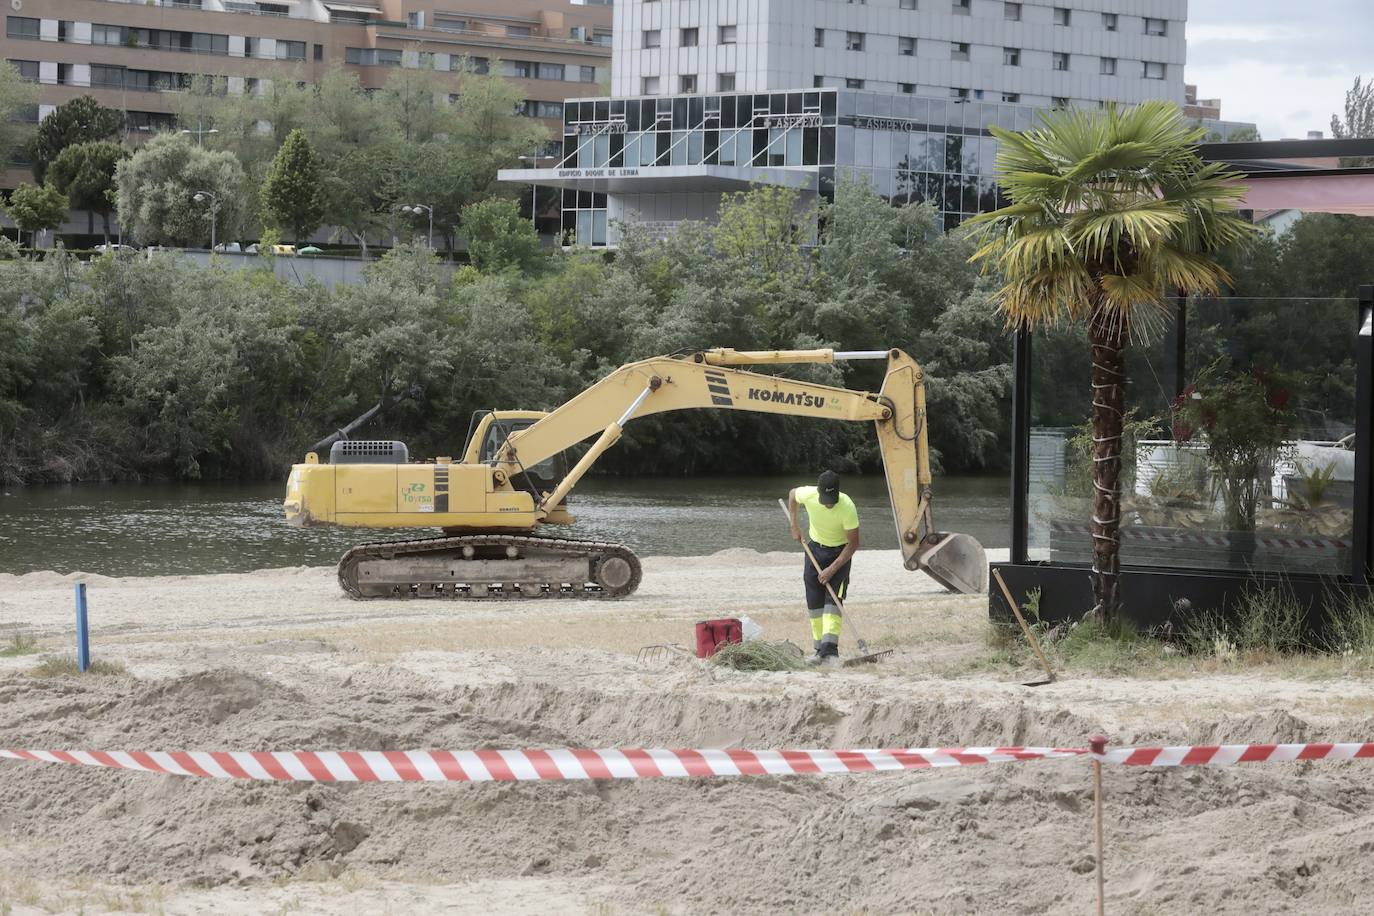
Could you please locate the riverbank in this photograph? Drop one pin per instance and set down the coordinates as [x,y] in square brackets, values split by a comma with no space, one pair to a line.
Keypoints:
[280,659]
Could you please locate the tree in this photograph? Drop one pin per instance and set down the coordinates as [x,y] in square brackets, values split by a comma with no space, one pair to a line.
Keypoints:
[34,208]
[1246,134]
[1110,211]
[16,93]
[156,186]
[1359,112]
[1359,121]
[86,174]
[293,194]
[499,238]
[82,120]
[763,229]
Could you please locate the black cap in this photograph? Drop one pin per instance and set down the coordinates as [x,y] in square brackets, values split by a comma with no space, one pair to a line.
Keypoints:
[828,486]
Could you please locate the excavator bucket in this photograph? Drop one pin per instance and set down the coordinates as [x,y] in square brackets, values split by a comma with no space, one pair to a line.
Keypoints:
[956,561]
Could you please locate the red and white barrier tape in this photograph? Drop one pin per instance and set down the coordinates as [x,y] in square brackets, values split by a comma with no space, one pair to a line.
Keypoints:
[650,763]
[532,764]
[1227,754]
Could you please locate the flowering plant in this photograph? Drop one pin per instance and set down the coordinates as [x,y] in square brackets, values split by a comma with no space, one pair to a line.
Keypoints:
[1245,419]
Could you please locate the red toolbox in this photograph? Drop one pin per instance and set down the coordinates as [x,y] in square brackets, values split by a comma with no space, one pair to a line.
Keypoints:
[712,634]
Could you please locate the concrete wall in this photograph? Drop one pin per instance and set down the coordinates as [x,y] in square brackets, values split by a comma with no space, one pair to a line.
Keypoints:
[329,271]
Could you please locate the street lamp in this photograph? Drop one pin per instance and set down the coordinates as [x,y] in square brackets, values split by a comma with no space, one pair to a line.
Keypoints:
[202,196]
[200,131]
[416,209]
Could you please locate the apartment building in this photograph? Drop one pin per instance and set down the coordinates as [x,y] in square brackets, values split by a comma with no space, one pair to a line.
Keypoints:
[131,55]
[713,96]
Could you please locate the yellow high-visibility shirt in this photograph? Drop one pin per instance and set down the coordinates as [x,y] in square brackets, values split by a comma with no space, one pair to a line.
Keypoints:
[828,524]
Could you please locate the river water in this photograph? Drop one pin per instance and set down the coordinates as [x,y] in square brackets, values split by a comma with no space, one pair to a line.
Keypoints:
[182,529]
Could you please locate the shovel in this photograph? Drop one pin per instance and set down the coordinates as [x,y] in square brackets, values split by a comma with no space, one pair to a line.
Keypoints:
[866,657]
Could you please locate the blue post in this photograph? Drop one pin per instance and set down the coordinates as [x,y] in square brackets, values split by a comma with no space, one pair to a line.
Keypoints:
[83,636]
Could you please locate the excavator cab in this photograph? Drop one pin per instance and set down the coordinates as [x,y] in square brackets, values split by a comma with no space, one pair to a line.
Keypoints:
[487,434]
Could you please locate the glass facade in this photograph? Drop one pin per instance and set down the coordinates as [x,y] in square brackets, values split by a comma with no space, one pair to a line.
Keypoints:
[911,148]
[1261,482]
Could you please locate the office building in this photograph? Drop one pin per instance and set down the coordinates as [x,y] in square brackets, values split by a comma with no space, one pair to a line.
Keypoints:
[710,96]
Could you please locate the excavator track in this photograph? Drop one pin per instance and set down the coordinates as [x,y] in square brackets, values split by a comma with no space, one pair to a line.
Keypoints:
[490,567]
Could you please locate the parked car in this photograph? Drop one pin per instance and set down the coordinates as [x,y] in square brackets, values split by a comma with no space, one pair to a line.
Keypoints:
[113,247]
[228,248]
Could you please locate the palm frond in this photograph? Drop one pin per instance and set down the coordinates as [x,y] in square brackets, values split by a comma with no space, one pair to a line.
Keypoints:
[1113,207]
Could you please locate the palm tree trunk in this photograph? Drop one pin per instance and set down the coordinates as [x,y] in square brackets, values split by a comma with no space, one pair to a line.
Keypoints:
[1107,335]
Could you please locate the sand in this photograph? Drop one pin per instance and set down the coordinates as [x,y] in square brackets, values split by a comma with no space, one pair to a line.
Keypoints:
[279,659]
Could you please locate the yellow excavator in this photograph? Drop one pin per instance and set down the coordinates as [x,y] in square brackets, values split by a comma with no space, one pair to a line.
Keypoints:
[513,480]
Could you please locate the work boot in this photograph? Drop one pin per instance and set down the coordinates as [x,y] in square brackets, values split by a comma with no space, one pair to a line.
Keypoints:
[816,658]
[830,654]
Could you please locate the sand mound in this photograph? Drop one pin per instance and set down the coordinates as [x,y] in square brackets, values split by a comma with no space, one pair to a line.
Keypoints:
[752,845]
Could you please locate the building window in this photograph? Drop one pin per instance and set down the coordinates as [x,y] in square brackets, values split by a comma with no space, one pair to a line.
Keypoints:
[852,83]
[689,38]
[586,74]
[956,93]
[552,72]
[28,70]
[958,50]
[1156,26]
[1109,66]
[1109,21]
[727,35]
[820,38]
[652,38]
[1012,97]
[518,31]
[389,57]
[319,52]
[962,7]
[517,69]
[818,81]
[725,82]
[21,27]
[1061,15]
[649,85]
[1011,57]
[106,35]
[1061,60]
[290,50]
[906,46]
[548,109]
[1011,11]
[687,82]
[908,88]
[1154,71]
[854,41]
[908,4]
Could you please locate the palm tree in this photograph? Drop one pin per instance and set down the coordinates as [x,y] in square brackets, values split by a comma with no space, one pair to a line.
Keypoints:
[1110,210]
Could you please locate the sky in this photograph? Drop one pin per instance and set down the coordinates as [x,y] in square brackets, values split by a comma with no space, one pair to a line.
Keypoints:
[1284,65]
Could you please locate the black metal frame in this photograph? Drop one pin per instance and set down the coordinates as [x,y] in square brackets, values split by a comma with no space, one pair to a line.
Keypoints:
[1258,151]
[1155,597]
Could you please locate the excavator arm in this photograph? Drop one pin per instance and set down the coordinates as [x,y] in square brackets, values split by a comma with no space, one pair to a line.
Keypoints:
[711,380]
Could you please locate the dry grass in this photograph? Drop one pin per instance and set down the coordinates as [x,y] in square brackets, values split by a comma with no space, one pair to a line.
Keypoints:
[19,644]
[64,665]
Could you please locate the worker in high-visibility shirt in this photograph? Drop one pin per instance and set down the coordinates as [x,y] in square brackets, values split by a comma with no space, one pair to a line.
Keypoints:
[833,535]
